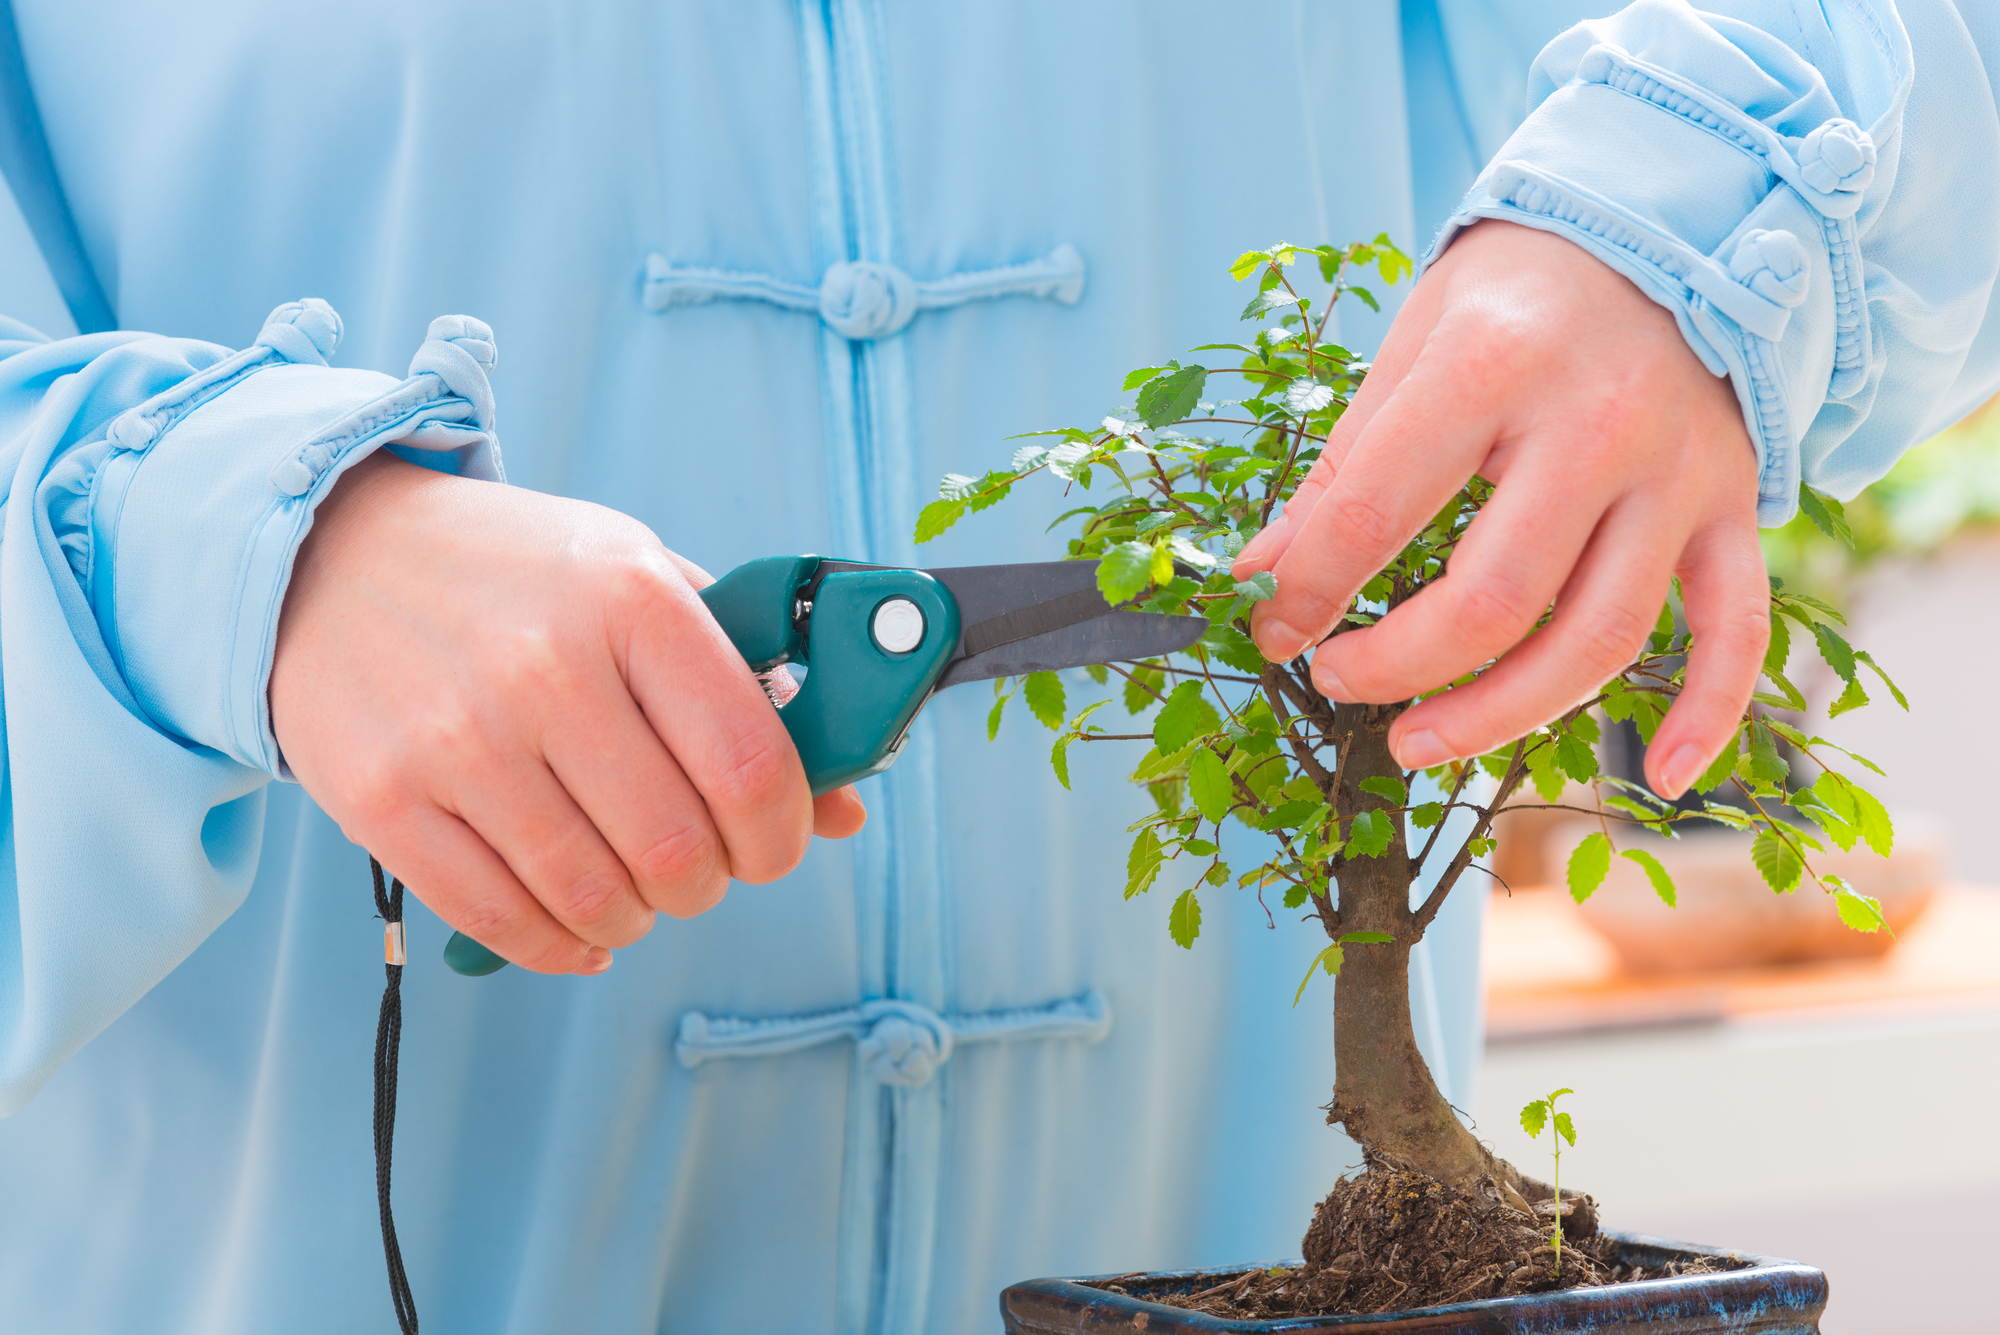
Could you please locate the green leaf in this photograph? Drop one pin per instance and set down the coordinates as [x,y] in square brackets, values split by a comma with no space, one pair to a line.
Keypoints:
[1851,698]
[1534,1117]
[1172,397]
[1329,959]
[1566,1128]
[1780,650]
[1863,913]
[1059,757]
[1718,770]
[1370,833]
[1548,780]
[1186,716]
[1827,514]
[1142,864]
[1390,790]
[993,719]
[1426,815]
[1123,570]
[1044,693]
[1209,787]
[1588,866]
[1144,687]
[1184,923]
[1260,587]
[1762,763]
[1778,862]
[1234,648]
[938,516]
[1139,377]
[1663,884]
[1576,757]
[1265,302]
[1839,655]
[1873,821]
[1876,668]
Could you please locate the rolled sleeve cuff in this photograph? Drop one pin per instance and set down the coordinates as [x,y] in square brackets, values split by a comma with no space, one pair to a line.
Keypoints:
[1747,235]
[201,496]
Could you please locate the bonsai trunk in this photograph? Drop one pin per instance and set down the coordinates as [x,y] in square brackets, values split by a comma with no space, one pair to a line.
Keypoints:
[1384,1094]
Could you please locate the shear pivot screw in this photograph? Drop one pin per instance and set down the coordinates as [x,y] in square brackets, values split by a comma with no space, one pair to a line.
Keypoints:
[898,626]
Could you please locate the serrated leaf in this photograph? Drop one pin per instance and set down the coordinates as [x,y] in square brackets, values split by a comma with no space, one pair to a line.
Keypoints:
[1369,834]
[1872,820]
[1260,587]
[1839,655]
[1184,923]
[1851,698]
[1565,1128]
[1059,758]
[1027,457]
[1719,769]
[938,516]
[1876,668]
[1134,379]
[1779,652]
[1534,1117]
[1142,864]
[1576,758]
[1209,787]
[1777,861]
[1827,515]
[1173,396]
[993,719]
[1663,884]
[1144,688]
[1234,648]
[1123,570]
[1392,791]
[1589,863]
[1186,716]
[1295,897]
[1863,913]
[1426,815]
[1045,696]
[1267,301]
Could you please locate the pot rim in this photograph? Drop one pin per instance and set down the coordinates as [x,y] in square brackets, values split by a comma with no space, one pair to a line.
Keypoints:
[1785,1296]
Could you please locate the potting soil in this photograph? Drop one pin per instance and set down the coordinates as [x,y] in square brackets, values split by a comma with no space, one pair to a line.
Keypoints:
[1390,1241]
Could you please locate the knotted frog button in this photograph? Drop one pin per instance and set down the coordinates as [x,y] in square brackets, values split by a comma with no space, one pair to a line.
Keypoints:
[1773,265]
[863,300]
[905,1045]
[1838,160]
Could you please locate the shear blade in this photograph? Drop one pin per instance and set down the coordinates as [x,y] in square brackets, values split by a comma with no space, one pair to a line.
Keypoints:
[1046,616]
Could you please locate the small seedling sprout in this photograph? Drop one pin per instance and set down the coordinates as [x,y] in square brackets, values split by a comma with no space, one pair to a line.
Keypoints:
[1533,1118]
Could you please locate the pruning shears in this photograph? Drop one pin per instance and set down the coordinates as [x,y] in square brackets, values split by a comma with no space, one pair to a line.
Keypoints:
[878,641]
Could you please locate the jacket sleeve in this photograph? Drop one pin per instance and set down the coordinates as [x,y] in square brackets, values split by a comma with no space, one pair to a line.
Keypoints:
[1811,189]
[156,493]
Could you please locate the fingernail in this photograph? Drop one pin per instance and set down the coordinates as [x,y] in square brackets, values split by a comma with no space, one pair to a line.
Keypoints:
[1280,643]
[1327,682]
[1680,770]
[1264,541]
[596,960]
[1421,749]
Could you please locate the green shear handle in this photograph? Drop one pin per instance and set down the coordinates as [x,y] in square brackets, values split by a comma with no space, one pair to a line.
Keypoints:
[874,641]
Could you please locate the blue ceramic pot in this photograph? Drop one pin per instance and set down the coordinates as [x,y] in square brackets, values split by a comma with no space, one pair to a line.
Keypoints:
[1770,1297]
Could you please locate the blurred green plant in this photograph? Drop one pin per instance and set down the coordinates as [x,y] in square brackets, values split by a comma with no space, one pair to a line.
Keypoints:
[1949,483]
[1533,1118]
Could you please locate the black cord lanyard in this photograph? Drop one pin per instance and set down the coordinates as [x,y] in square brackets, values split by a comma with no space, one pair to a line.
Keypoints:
[388,1043]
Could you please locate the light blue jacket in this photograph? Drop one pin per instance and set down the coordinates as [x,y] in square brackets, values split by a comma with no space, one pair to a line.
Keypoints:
[762,272]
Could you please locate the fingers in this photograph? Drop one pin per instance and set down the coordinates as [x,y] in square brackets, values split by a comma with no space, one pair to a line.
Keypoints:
[1727,597]
[1512,561]
[1601,621]
[1413,456]
[642,804]
[839,814]
[464,881]
[706,706]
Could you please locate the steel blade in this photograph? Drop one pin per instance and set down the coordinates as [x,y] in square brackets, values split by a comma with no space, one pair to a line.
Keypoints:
[1115,637]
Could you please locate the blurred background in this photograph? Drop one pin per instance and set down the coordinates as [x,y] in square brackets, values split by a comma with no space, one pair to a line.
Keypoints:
[1747,1073]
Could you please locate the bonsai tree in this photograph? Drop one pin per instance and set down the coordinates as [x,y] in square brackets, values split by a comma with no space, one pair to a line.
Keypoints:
[1163,494]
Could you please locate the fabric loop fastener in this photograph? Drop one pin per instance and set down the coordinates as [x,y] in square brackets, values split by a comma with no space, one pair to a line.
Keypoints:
[862,300]
[898,1042]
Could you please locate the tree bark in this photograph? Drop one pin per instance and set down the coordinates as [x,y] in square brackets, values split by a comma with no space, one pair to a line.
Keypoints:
[1384,1094]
